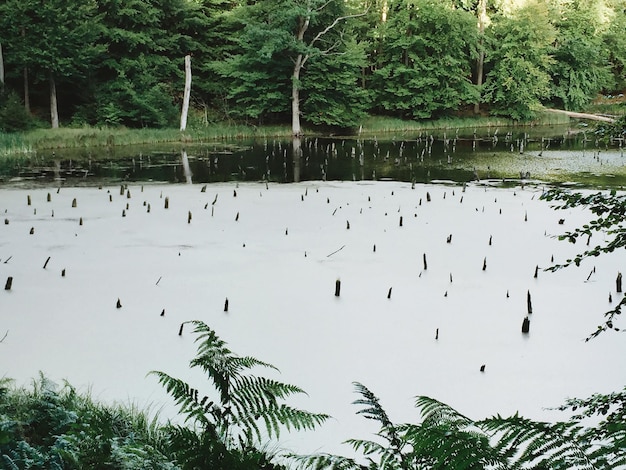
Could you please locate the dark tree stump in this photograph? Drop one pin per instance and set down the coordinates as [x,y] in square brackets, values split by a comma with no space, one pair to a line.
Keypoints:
[425,263]
[389,293]
[427,196]
[337,287]
[189,217]
[167,202]
[46,263]
[118,304]
[9,283]
[32,230]
[163,312]
[180,330]
[526,325]
[74,203]
[618,282]
[226,305]
[536,271]
[529,303]
[400,221]
[485,264]
[28,199]
[482,368]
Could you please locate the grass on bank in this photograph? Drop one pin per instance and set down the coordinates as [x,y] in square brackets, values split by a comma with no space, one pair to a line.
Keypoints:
[24,143]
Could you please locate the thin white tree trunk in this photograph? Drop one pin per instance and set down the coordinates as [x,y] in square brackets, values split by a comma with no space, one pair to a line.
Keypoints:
[54,110]
[296,129]
[1,68]
[187,94]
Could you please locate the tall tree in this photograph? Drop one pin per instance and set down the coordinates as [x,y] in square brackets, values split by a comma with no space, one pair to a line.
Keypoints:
[580,68]
[426,60]
[279,39]
[518,62]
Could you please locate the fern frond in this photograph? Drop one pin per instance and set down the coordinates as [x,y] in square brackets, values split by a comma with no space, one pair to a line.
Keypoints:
[366,446]
[373,409]
[325,462]
[186,401]
[447,446]
[435,413]
[538,443]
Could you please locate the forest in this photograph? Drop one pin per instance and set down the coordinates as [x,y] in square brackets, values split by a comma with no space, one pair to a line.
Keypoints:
[329,63]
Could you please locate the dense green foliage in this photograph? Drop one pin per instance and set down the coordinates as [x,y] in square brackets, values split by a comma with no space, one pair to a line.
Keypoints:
[446,439]
[52,428]
[116,62]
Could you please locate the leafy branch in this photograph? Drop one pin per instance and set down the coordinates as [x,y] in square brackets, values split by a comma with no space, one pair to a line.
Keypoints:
[610,213]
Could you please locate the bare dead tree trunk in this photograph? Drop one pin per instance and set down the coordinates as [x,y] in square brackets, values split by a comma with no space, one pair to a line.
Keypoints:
[54,110]
[1,68]
[296,128]
[187,94]
[482,19]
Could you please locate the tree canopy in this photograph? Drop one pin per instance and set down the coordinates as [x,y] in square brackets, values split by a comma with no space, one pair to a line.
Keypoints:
[113,62]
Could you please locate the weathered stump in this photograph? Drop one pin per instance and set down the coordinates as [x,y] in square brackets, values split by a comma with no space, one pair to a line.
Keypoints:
[9,283]
[526,325]
[337,287]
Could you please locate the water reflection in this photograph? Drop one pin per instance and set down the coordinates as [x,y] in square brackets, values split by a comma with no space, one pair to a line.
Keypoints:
[550,154]
[186,168]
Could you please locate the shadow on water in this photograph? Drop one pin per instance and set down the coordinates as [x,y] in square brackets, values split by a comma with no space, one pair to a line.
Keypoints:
[551,154]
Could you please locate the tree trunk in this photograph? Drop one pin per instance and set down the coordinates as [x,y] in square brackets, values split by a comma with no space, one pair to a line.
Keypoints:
[54,111]
[482,18]
[296,129]
[26,91]
[185,111]
[1,68]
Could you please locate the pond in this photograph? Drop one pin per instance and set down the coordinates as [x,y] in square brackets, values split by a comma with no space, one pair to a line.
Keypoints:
[556,154]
